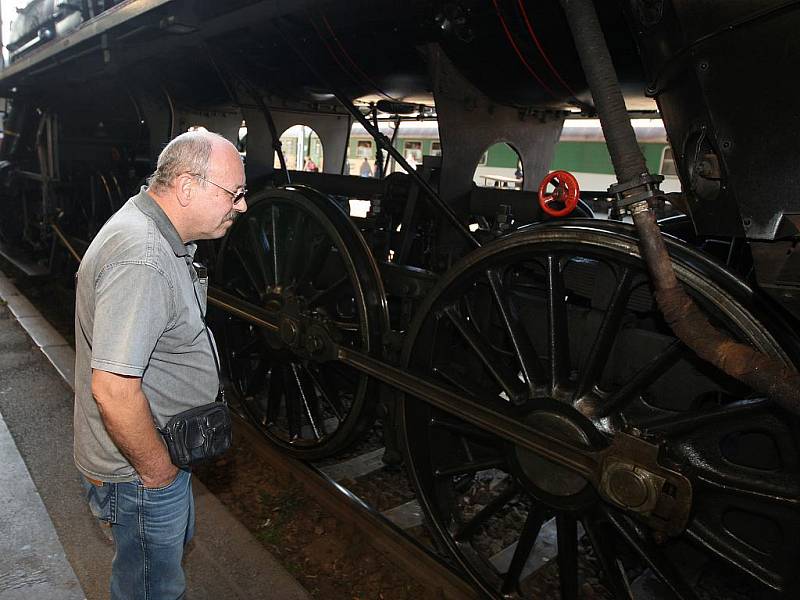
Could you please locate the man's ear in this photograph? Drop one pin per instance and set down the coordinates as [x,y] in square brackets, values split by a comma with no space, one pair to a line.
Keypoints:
[184,189]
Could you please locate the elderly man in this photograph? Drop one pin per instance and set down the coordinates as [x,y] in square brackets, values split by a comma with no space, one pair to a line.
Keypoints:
[143,355]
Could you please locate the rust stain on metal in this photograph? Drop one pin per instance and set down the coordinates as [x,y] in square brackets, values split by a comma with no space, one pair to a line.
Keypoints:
[761,372]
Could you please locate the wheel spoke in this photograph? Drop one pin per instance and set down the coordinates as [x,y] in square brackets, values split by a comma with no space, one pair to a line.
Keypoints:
[558,338]
[328,390]
[306,401]
[651,555]
[256,285]
[567,555]
[613,569]
[348,374]
[465,430]
[314,398]
[471,467]
[347,326]
[527,540]
[645,376]
[526,354]
[276,392]
[317,255]
[324,295]
[606,334]
[294,404]
[475,391]
[468,529]
[248,345]
[684,422]
[297,246]
[275,262]
[259,249]
[259,373]
[513,387]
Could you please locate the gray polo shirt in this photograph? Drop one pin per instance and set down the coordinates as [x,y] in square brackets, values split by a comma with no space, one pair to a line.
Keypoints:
[136,314]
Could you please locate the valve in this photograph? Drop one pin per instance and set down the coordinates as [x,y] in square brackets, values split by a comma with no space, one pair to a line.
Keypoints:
[566,192]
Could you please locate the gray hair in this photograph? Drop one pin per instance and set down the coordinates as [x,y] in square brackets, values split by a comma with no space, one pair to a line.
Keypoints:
[187,153]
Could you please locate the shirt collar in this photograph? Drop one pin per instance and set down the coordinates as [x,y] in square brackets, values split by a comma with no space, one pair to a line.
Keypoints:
[145,203]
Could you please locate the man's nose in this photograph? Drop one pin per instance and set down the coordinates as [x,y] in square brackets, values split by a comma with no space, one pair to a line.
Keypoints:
[240,206]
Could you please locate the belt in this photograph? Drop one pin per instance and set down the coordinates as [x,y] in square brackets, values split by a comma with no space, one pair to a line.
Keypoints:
[95,482]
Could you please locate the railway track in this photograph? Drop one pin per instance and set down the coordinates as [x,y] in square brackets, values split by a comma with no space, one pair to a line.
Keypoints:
[384,531]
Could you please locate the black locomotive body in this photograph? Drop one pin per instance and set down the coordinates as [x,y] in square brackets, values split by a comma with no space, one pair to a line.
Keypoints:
[525,361]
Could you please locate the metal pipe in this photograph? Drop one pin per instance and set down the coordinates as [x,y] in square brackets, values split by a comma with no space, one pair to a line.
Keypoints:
[379,153]
[392,142]
[603,82]
[690,325]
[63,239]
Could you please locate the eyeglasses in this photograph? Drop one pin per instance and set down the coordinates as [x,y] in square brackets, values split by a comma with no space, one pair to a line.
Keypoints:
[235,196]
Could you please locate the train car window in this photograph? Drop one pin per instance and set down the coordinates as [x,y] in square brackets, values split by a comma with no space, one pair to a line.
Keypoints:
[436,148]
[412,151]
[364,149]
[500,166]
[302,149]
[668,163]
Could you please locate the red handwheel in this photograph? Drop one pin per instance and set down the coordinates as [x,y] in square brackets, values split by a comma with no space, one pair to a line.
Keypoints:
[566,192]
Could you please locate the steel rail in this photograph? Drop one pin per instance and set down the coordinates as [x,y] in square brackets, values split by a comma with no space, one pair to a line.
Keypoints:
[416,560]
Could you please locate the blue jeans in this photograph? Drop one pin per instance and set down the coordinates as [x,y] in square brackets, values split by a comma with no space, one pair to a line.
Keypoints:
[150,528]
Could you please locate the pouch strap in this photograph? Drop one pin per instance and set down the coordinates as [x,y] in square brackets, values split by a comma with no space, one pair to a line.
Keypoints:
[201,273]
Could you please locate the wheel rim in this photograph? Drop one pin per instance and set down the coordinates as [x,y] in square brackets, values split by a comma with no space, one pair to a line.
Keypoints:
[740,455]
[325,277]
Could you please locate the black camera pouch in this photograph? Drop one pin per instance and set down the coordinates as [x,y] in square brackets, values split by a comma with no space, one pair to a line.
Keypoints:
[199,434]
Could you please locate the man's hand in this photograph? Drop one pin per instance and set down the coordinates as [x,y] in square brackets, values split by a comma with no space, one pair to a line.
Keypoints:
[151,482]
[128,420]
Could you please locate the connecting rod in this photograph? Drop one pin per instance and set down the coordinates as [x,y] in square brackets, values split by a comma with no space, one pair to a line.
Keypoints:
[627,472]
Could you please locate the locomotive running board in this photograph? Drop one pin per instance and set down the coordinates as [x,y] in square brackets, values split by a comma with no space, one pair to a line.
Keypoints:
[93,28]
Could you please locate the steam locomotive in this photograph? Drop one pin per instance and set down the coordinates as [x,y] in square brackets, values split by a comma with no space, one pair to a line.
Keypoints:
[633,378]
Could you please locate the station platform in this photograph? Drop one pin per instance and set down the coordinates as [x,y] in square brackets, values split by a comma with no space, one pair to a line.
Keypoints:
[51,547]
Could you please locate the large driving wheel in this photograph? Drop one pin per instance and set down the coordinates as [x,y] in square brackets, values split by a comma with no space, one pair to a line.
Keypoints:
[296,252]
[556,327]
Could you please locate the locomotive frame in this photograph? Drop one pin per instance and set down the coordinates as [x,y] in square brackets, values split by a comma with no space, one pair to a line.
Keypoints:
[524,361]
